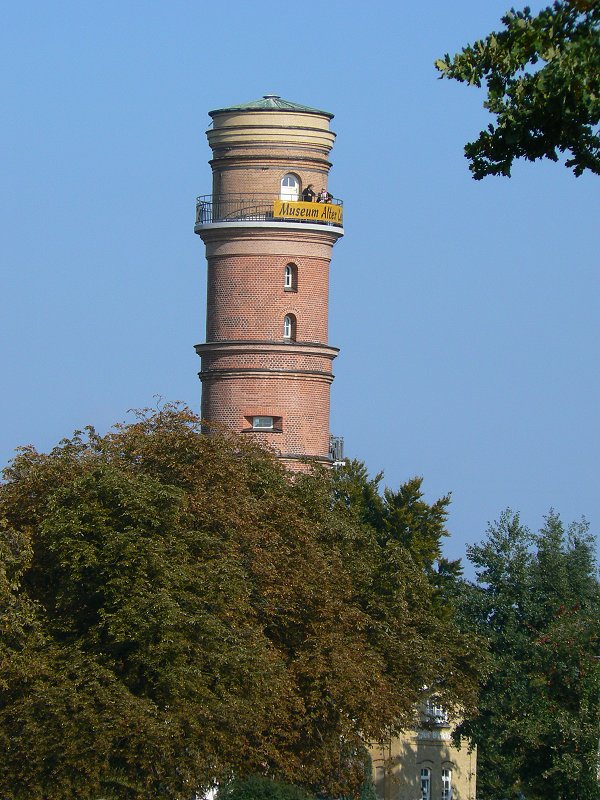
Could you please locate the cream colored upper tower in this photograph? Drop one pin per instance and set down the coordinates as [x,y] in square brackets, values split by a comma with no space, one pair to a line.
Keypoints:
[266,362]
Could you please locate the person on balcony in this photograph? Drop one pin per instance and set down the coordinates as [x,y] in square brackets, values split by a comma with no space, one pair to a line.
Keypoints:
[308,195]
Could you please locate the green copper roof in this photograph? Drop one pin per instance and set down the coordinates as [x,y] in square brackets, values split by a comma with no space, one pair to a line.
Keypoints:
[271,102]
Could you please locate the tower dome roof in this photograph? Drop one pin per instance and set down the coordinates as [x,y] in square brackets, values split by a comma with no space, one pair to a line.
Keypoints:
[272,102]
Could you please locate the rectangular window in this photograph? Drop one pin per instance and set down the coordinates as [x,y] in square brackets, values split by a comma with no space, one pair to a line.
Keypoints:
[262,423]
[425,784]
[446,784]
[380,782]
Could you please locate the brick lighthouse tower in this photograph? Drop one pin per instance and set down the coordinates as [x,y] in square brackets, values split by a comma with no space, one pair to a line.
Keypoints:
[266,364]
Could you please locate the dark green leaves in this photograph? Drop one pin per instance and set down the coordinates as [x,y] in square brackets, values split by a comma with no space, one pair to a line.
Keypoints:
[538,603]
[543,86]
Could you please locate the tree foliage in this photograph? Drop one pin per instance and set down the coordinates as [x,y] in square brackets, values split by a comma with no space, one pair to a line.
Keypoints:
[176,609]
[538,603]
[542,75]
[260,788]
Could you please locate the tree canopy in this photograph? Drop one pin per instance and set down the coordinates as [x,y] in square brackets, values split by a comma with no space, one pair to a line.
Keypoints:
[258,788]
[537,601]
[175,608]
[542,75]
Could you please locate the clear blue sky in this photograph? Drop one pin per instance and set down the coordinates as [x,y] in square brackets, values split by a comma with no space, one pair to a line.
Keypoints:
[467,312]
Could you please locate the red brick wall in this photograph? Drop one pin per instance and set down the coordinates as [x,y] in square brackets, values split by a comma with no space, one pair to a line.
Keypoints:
[247,298]
[302,402]
[247,302]
[265,360]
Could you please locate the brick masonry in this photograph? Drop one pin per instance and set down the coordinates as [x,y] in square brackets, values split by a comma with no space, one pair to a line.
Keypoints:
[251,366]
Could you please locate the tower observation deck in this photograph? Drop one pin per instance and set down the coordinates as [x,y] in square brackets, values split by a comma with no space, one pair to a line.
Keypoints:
[266,363]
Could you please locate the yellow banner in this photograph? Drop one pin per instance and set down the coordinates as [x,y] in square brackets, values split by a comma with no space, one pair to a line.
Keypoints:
[311,212]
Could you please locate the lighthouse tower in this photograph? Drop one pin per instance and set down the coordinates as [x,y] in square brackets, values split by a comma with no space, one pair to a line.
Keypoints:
[266,363]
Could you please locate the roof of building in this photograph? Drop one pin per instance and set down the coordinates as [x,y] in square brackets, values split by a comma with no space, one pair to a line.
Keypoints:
[272,102]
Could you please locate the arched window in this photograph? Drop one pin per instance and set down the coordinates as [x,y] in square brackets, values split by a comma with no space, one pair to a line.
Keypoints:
[289,327]
[290,275]
[425,784]
[290,187]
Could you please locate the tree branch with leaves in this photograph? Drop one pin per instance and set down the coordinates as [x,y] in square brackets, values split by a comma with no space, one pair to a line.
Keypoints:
[542,75]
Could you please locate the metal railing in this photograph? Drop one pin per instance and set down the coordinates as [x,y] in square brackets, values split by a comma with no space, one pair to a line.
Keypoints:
[243,207]
[434,713]
[336,448]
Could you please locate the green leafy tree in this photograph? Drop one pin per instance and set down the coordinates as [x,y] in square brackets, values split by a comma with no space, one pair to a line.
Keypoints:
[537,600]
[405,537]
[542,75]
[63,718]
[178,609]
[260,788]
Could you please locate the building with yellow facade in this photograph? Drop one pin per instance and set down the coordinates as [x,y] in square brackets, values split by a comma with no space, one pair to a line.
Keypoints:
[424,764]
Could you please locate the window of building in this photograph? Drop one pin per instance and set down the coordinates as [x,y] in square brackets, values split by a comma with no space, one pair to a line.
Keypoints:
[290,275]
[290,187]
[289,327]
[262,423]
[380,782]
[446,784]
[425,784]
